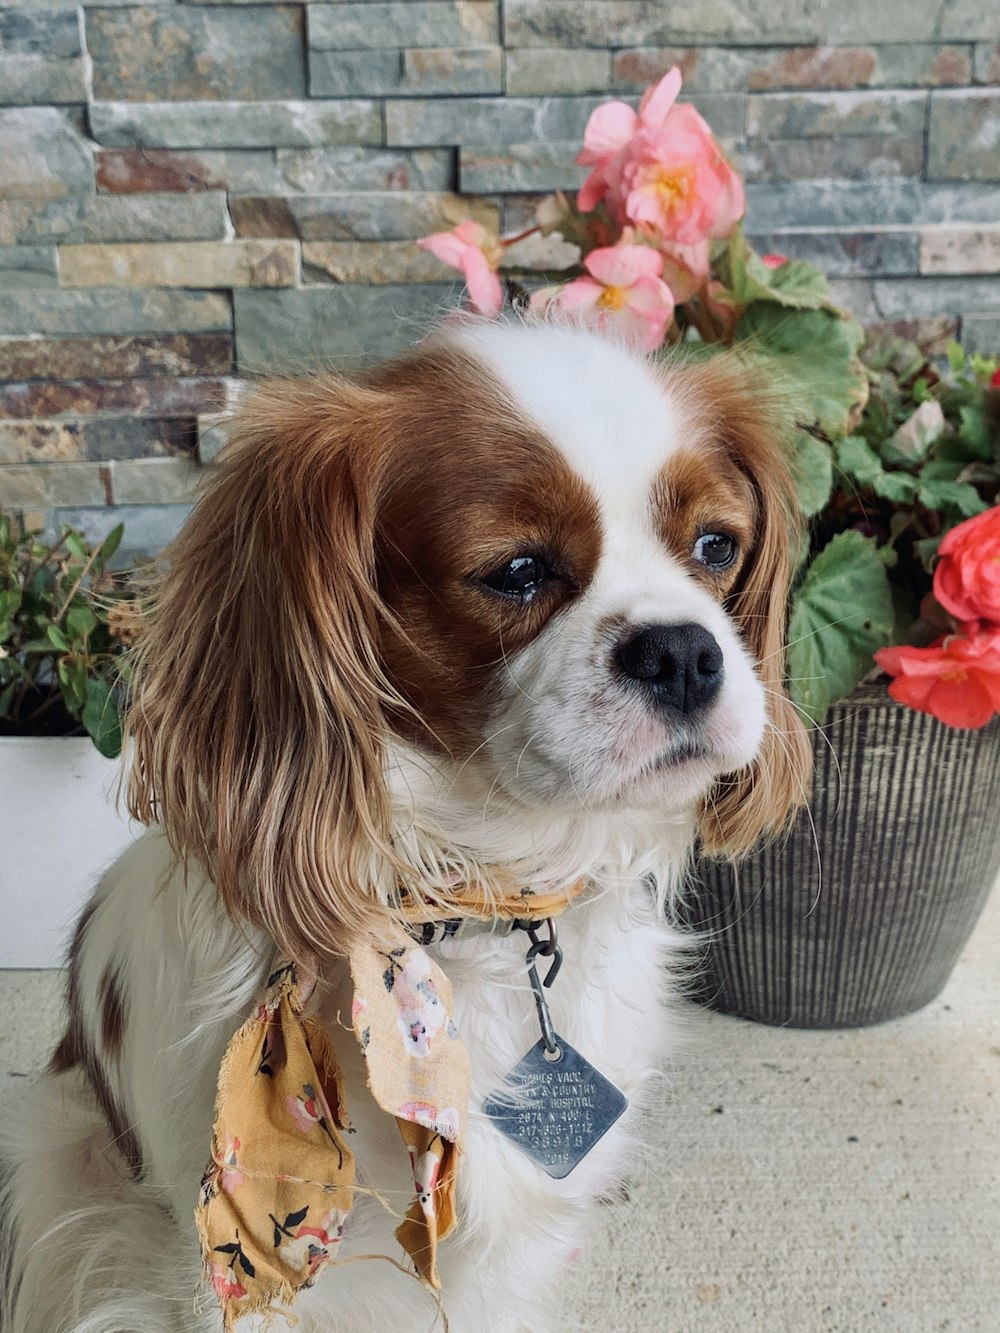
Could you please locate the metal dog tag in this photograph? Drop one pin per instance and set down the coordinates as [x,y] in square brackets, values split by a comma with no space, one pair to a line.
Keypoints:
[556,1107]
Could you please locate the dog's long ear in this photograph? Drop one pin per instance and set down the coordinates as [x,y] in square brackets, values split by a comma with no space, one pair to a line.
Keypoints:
[257,699]
[765,796]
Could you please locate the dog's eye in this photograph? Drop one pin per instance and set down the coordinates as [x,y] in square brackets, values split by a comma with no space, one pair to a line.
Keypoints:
[716,550]
[520,577]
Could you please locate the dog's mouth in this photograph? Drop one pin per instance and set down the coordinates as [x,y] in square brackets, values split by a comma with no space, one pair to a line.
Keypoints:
[684,753]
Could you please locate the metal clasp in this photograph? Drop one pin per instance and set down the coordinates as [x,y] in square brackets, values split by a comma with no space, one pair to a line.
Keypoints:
[544,948]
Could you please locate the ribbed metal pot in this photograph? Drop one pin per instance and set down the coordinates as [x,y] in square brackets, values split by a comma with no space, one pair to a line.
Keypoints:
[862,913]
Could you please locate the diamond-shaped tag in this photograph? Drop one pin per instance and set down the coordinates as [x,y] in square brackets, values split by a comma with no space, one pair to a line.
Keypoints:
[556,1110]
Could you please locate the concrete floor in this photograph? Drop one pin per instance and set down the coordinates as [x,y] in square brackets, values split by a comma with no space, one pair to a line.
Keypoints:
[799,1182]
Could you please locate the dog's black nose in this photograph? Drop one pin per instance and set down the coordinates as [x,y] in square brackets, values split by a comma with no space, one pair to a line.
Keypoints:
[681,665]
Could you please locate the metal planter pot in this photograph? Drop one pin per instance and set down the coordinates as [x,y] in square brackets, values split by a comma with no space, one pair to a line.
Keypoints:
[907,832]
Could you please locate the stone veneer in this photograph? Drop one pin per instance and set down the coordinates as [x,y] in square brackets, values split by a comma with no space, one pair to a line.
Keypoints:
[188,191]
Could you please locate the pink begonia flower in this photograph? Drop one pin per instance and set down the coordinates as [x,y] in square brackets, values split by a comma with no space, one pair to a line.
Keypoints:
[473,250]
[774,261]
[956,678]
[660,168]
[624,291]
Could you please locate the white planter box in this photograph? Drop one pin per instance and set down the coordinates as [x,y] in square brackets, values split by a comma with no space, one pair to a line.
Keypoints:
[58,831]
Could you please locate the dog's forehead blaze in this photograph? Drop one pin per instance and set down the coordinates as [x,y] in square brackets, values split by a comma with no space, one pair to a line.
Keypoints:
[471,486]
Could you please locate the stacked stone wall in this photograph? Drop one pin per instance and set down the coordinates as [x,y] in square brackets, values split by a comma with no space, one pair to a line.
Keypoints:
[189,192]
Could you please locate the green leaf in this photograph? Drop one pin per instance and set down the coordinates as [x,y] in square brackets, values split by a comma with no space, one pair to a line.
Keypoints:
[6,696]
[841,614]
[100,717]
[795,284]
[812,472]
[956,356]
[942,494]
[918,432]
[57,638]
[72,674]
[10,604]
[897,487]
[80,620]
[813,356]
[110,544]
[858,460]
[76,545]
[926,550]
[975,432]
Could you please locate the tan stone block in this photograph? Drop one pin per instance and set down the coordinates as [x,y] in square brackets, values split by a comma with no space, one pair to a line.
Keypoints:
[55,484]
[205,264]
[956,250]
[39,442]
[375,262]
[154,480]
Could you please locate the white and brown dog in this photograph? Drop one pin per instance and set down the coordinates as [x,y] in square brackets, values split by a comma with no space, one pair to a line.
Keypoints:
[514,601]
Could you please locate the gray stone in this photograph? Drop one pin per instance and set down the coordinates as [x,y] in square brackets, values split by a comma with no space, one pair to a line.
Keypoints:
[119,311]
[148,171]
[148,528]
[767,68]
[932,65]
[915,298]
[875,157]
[327,170]
[353,27]
[431,70]
[846,254]
[51,32]
[405,73]
[154,480]
[141,217]
[29,79]
[43,155]
[651,23]
[482,120]
[520,167]
[28,266]
[963,141]
[377,263]
[887,203]
[554,70]
[54,484]
[306,329]
[149,53]
[382,215]
[235,124]
[987,62]
[808,115]
[916,20]
[960,250]
[981,333]
[726,113]
[107,438]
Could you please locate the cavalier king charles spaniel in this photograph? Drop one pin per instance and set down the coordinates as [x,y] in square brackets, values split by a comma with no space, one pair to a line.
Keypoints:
[509,609]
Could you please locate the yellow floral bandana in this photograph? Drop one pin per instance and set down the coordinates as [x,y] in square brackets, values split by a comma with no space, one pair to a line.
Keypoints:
[281,1179]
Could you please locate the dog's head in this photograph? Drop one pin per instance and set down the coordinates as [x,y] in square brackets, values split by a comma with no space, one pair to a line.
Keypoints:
[548,563]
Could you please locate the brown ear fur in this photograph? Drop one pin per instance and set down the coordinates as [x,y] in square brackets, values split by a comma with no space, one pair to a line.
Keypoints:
[765,796]
[256,715]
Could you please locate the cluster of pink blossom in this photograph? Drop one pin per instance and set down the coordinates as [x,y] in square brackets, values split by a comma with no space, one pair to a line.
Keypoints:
[667,192]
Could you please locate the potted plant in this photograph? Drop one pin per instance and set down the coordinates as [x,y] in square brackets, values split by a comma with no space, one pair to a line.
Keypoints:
[860,913]
[61,636]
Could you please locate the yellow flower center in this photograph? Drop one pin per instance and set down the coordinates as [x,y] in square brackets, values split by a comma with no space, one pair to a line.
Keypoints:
[671,186]
[956,677]
[612,298]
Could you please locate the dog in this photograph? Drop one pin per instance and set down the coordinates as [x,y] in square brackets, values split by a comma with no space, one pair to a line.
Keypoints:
[510,608]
